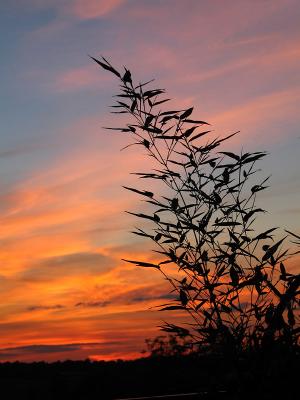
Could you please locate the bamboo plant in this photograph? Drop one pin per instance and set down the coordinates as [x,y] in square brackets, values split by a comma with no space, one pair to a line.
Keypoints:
[227,275]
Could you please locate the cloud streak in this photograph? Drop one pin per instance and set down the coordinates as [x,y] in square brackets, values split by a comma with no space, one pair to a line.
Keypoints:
[92,9]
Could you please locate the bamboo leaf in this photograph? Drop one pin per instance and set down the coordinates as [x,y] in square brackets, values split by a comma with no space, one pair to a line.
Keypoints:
[145,216]
[142,192]
[199,135]
[183,297]
[127,77]
[271,250]
[108,67]
[231,155]
[265,235]
[234,276]
[172,308]
[227,223]
[187,113]
[160,102]
[188,132]
[142,264]
[193,121]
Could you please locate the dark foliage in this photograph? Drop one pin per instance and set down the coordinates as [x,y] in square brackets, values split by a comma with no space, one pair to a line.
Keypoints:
[84,380]
[229,277]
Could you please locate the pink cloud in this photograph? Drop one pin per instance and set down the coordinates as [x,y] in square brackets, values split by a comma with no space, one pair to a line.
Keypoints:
[82,9]
[91,9]
[79,78]
[255,115]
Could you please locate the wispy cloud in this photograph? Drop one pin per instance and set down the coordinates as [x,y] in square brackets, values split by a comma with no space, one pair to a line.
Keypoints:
[142,294]
[50,268]
[20,150]
[28,353]
[78,78]
[93,8]
[40,307]
[254,115]
[109,336]
[92,304]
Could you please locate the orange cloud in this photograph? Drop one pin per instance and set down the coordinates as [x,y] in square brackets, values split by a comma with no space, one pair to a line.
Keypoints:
[54,230]
[121,333]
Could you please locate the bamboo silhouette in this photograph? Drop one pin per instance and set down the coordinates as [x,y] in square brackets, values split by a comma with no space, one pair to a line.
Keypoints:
[229,277]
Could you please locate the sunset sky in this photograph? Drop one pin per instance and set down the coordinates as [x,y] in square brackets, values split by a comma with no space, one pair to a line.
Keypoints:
[64,291]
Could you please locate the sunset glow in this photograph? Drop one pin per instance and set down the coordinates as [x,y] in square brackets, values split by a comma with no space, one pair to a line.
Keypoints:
[65,293]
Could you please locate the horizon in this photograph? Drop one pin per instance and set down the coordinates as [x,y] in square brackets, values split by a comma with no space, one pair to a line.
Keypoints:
[65,291]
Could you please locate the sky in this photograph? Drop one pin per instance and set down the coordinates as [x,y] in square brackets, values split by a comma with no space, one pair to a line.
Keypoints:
[64,291]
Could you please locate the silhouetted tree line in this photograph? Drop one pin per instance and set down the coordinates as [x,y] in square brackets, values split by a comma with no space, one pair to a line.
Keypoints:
[151,376]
